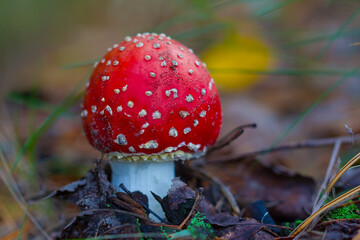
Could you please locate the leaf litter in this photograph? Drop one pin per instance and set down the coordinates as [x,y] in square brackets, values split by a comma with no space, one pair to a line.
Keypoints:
[199,205]
[104,212]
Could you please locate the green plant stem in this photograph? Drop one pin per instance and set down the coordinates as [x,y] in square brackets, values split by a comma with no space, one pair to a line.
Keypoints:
[276,7]
[308,110]
[73,97]
[22,223]
[339,32]
[281,72]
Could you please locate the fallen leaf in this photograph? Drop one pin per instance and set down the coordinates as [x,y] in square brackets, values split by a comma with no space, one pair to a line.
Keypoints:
[291,193]
[247,229]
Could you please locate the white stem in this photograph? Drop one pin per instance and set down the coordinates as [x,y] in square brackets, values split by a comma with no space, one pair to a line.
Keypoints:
[144,177]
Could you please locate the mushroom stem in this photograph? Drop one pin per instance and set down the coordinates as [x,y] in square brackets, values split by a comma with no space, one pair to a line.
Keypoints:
[144,177]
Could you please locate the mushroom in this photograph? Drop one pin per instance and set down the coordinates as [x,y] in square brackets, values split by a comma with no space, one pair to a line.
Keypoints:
[148,103]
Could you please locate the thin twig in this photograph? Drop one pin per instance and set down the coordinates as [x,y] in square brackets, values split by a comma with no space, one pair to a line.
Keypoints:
[350,132]
[324,208]
[332,203]
[311,143]
[223,189]
[319,202]
[99,225]
[122,186]
[105,233]
[198,196]
[262,228]
[342,171]
[111,210]
[231,136]
[330,173]
[19,198]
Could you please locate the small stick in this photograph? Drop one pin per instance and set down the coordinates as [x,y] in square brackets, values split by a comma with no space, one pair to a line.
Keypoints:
[99,224]
[231,136]
[110,210]
[224,190]
[122,186]
[338,175]
[299,229]
[311,143]
[351,133]
[319,201]
[198,196]
[13,188]
[262,228]
[98,161]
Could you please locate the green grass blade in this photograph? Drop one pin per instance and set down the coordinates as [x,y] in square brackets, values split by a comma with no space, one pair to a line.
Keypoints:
[339,32]
[32,102]
[50,120]
[330,2]
[319,38]
[29,101]
[276,7]
[218,5]
[313,105]
[22,224]
[17,195]
[283,72]
[84,63]
[179,19]
[195,32]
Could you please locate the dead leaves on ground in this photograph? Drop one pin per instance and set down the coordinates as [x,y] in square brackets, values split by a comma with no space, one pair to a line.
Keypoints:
[103,212]
[288,196]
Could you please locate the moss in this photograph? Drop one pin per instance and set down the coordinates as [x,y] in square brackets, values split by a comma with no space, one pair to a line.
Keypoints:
[164,233]
[200,228]
[350,211]
[138,227]
[291,225]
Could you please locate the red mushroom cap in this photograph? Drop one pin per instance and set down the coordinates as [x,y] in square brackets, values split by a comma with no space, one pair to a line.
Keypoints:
[150,97]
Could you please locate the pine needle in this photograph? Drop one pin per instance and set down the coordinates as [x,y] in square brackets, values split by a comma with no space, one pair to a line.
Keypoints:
[326,207]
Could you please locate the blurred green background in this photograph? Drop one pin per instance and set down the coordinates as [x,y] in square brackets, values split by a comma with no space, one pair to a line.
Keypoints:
[288,65]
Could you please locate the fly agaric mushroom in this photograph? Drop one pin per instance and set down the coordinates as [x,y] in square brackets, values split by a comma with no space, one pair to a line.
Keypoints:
[150,102]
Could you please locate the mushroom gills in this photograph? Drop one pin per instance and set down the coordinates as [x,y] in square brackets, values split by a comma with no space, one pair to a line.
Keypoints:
[144,177]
